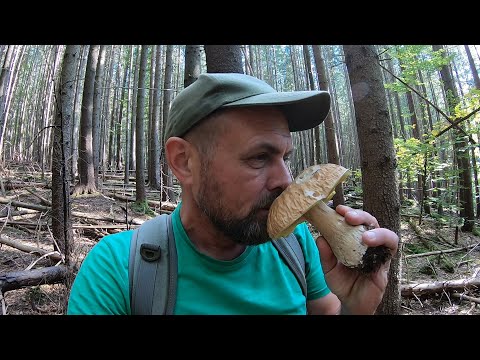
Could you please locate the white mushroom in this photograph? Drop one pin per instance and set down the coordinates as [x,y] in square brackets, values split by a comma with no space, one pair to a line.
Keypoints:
[305,199]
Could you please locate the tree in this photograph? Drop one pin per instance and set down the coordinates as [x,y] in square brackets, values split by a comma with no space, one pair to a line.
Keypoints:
[460,146]
[167,183]
[97,109]
[86,173]
[192,64]
[5,72]
[62,146]
[140,135]
[377,154]
[330,132]
[224,58]
[154,179]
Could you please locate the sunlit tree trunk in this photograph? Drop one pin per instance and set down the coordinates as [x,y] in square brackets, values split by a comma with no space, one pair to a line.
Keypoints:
[64,114]
[86,175]
[377,154]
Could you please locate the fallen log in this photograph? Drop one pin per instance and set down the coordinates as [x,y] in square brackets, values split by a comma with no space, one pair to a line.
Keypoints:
[411,290]
[440,251]
[6,212]
[42,199]
[74,213]
[466,297]
[107,218]
[21,204]
[20,279]
[29,249]
[11,185]
[166,206]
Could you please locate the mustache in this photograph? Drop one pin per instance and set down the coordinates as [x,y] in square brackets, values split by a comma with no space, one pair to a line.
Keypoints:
[267,200]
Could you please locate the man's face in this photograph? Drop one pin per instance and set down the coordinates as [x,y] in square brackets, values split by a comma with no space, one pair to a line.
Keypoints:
[245,174]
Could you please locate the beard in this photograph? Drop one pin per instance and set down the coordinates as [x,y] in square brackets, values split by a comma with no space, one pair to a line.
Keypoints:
[248,230]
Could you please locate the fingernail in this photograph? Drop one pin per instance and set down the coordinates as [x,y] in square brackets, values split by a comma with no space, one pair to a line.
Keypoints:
[370,235]
[353,212]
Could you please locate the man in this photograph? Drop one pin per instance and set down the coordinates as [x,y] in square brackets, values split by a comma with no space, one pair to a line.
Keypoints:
[228,138]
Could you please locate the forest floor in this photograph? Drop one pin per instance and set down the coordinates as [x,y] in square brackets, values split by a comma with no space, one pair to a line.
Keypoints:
[460,266]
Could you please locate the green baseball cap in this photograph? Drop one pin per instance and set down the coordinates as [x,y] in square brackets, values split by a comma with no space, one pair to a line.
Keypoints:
[211,91]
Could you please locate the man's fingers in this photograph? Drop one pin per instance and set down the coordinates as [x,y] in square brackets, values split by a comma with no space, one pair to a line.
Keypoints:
[327,257]
[357,217]
[381,236]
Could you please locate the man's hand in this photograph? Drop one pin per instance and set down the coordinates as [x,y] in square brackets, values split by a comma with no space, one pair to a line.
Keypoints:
[359,293]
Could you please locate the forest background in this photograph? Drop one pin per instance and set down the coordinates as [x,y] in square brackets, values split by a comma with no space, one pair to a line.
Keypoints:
[82,154]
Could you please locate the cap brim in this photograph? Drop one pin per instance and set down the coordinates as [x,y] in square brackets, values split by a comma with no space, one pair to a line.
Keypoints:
[303,109]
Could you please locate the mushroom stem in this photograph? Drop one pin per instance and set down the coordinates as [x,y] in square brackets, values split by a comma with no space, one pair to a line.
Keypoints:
[344,239]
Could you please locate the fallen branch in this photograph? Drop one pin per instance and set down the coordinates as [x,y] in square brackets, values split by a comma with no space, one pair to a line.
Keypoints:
[29,249]
[466,297]
[20,279]
[106,218]
[14,213]
[11,185]
[116,226]
[412,290]
[166,206]
[440,251]
[4,200]
[42,199]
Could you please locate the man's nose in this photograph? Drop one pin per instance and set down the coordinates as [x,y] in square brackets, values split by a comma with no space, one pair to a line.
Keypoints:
[280,177]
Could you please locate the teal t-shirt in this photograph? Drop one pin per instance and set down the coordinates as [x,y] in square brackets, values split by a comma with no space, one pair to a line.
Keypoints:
[256,282]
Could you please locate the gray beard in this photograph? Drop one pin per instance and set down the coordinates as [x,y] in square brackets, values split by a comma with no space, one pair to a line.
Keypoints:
[250,230]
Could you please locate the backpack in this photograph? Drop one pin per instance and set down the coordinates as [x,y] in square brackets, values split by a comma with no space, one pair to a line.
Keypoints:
[153,274]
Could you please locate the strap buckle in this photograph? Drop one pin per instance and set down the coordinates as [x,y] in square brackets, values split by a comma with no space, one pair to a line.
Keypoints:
[150,252]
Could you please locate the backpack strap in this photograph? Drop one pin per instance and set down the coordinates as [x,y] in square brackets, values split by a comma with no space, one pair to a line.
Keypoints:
[153,267]
[291,251]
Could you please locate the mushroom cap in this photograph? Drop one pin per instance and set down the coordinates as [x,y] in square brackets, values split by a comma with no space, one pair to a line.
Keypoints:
[315,183]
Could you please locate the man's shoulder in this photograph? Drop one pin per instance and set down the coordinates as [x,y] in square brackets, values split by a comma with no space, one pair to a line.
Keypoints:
[114,243]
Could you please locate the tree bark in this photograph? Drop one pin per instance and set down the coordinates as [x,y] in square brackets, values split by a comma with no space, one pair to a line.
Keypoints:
[377,154]
[329,124]
[460,145]
[86,172]
[192,64]
[97,111]
[224,58]
[140,137]
[20,279]
[61,222]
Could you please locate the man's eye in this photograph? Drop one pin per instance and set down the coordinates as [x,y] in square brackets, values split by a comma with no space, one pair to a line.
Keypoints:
[258,161]
[261,157]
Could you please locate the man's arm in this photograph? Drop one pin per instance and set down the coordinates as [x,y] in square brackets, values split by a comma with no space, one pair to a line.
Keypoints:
[326,305]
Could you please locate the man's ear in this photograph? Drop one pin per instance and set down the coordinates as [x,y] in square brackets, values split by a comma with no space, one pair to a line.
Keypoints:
[179,153]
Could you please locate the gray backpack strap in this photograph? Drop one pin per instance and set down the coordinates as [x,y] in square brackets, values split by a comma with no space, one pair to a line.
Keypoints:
[291,251]
[153,268]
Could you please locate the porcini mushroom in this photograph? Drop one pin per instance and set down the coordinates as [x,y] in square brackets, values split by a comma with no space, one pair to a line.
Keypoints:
[306,199]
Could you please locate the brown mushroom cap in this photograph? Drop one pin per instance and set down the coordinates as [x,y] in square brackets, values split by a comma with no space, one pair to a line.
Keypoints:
[316,183]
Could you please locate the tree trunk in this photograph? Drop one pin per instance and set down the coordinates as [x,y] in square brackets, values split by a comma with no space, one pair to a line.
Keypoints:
[155,181]
[192,64]
[473,68]
[377,154]
[5,72]
[224,58]
[166,186]
[140,137]
[128,129]
[86,172]
[330,131]
[463,157]
[97,111]
[133,125]
[61,222]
